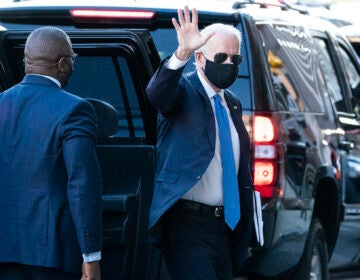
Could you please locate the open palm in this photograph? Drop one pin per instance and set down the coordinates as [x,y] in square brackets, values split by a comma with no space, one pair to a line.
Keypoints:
[189,37]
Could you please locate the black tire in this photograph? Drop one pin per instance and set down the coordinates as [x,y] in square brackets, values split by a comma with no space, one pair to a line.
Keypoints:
[314,261]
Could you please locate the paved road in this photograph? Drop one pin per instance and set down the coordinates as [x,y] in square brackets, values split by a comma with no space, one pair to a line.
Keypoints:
[345,262]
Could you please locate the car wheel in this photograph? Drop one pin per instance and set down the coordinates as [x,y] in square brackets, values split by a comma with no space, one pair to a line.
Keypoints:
[314,261]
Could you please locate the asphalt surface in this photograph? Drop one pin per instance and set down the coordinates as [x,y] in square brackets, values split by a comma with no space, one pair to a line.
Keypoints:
[345,261]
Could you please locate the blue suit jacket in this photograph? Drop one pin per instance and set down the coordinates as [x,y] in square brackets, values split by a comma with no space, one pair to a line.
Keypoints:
[50,181]
[186,145]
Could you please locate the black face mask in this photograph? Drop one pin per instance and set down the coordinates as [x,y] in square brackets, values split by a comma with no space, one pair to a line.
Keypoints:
[221,75]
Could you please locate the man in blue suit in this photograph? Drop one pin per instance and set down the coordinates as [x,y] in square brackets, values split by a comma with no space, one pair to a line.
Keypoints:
[50,181]
[203,231]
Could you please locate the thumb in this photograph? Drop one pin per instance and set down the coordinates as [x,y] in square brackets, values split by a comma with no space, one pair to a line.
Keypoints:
[208,36]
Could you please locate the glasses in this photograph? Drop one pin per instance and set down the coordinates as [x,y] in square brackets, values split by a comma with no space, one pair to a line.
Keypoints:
[73,56]
[221,57]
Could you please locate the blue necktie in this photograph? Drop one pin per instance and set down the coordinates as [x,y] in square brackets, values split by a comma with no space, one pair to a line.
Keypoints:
[230,184]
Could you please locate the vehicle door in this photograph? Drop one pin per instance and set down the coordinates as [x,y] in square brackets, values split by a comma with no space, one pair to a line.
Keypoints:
[351,194]
[115,67]
[341,74]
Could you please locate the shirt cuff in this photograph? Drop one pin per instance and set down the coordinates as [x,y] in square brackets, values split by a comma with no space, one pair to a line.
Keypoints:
[174,63]
[92,257]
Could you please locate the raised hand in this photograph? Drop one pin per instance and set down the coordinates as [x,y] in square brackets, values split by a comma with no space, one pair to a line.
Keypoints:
[189,37]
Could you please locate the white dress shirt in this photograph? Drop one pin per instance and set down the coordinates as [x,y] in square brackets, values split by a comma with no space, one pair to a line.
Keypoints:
[209,189]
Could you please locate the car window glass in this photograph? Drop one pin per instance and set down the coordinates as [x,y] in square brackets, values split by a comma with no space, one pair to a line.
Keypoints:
[108,78]
[351,72]
[165,41]
[103,73]
[329,74]
[2,74]
[294,68]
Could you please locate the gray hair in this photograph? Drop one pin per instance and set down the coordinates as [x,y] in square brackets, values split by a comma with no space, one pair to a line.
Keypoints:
[221,29]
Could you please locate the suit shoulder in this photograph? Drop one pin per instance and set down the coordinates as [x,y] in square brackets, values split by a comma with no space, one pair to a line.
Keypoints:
[72,98]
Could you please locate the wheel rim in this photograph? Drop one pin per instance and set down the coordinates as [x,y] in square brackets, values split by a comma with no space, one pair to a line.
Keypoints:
[316,267]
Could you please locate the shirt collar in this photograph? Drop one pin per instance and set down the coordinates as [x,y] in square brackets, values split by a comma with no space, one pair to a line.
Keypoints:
[208,89]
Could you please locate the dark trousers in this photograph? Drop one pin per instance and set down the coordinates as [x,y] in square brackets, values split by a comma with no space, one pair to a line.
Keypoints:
[15,271]
[196,243]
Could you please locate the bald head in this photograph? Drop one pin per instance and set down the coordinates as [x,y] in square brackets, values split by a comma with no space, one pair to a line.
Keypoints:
[48,51]
[47,44]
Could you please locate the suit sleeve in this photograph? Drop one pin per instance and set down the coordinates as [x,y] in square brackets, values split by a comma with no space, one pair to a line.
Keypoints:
[84,187]
[163,88]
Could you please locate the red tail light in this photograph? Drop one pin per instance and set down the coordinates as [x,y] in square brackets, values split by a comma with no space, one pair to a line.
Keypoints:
[265,157]
[94,13]
[264,173]
[263,129]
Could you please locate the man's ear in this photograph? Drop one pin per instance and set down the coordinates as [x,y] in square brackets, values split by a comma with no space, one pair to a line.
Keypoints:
[61,64]
[198,56]
[200,60]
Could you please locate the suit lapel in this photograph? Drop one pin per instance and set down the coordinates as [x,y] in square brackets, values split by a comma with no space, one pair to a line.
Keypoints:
[196,83]
[236,115]
[209,118]
[235,111]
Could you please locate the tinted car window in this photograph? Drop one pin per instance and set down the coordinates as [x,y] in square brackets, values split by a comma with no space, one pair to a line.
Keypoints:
[294,68]
[2,80]
[108,78]
[329,74]
[103,73]
[352,74]
[165,41]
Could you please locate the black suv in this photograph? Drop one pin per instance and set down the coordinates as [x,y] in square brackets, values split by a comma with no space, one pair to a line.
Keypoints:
[298,84]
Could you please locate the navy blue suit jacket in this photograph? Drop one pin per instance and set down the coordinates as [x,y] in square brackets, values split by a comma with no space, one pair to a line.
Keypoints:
[186,145]
[50,181]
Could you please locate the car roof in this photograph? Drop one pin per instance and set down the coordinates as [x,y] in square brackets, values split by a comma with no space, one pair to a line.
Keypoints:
[223,10]
[227,7]
[212,5]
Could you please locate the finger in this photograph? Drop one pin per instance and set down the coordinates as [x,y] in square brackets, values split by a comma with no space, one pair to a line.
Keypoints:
[187,14]
[194,16]
[181,17]
[175,23]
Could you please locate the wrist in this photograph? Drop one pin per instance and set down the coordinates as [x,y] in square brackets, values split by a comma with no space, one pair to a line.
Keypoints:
[182,54]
